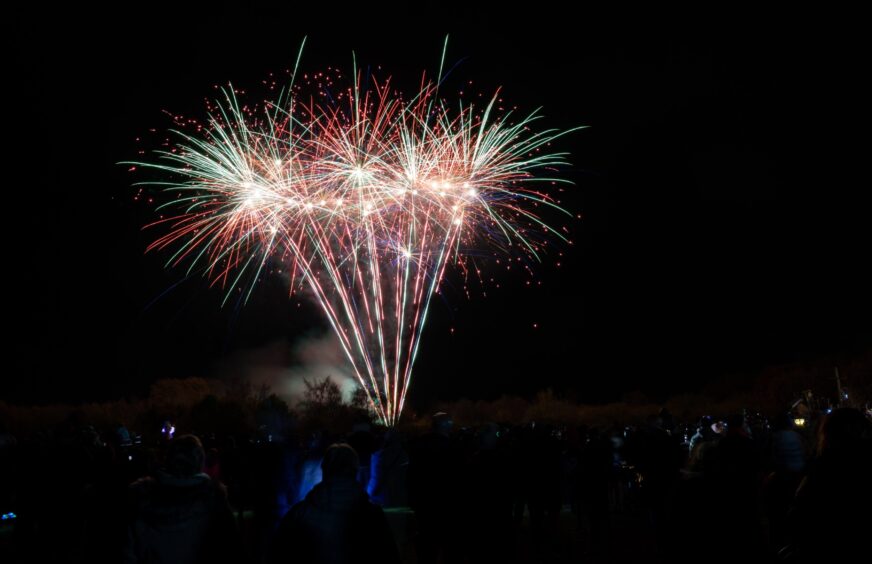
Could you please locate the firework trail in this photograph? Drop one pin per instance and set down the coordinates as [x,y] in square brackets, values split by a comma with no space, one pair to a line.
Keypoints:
[365,197]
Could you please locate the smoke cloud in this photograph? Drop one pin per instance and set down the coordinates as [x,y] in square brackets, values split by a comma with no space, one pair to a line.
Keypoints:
[282,367]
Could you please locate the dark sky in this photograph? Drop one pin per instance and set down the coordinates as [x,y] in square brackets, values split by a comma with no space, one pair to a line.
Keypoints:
[724,224]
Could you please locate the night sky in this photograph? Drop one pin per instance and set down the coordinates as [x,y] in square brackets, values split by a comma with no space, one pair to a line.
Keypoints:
[724,226]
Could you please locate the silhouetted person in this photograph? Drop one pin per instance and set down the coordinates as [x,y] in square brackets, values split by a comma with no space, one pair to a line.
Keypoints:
[831,521]
[364,444]
[786,454]
[181,515]
[701,444]
[734,479]
[658,458]
[433,467]
[335,523]
[538,459]
[703,432]
[309,467]
[388,469]
[486,506]
[787,449]
[592,487]
[272,490]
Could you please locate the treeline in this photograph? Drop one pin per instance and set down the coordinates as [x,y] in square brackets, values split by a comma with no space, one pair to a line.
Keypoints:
[201,406]
[235,408]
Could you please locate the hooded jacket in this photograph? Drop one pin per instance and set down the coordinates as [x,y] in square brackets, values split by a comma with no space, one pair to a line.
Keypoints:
[335,524]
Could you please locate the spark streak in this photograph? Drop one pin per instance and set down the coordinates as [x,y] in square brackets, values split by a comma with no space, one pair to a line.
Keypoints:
[367,197]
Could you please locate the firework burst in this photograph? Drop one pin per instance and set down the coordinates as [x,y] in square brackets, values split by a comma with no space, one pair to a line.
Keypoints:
[366,197]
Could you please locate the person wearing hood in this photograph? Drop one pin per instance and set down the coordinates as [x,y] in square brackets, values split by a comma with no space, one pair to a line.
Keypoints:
[181,515]
[336,523]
